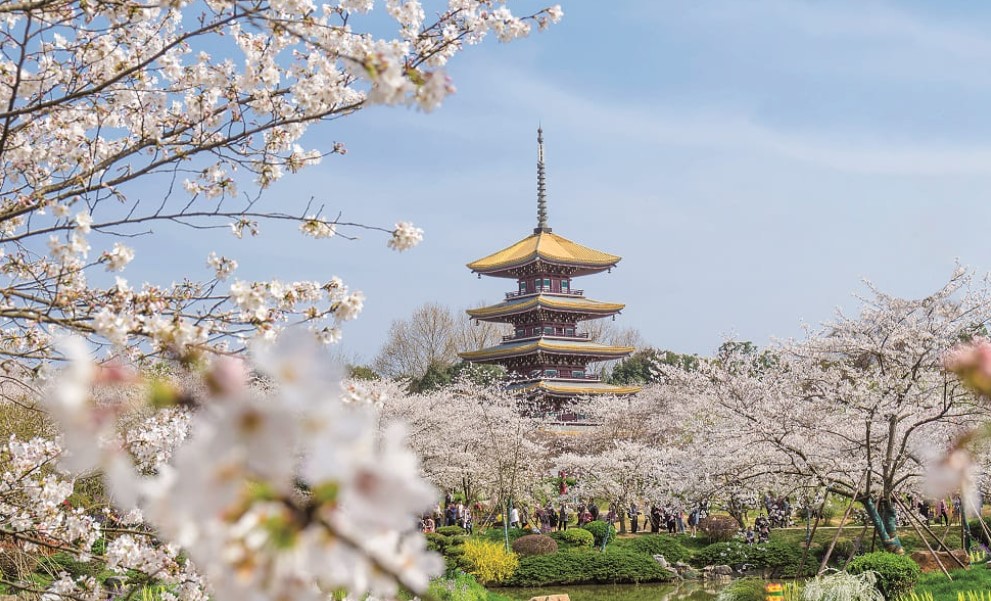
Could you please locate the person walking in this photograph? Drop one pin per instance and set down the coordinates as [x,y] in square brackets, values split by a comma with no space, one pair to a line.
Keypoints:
[562,518]
[514,517]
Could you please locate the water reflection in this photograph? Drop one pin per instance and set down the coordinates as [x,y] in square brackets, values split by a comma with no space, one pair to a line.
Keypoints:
[681,591]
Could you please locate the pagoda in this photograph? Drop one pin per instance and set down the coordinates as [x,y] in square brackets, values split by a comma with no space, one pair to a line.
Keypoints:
[547,354]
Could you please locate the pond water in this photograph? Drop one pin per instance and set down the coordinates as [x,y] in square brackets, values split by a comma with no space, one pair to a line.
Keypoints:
[682,591]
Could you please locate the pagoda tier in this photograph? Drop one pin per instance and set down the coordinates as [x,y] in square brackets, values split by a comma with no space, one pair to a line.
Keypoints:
[547,356]
[527,309]
[545,349]
[571,388]
[544,252]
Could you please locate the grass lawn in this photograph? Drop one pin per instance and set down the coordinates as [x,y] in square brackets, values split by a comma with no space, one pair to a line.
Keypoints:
[975,579]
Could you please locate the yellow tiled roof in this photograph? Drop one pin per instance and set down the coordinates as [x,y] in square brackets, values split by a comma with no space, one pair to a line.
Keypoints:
[561,303]
[546,246]
[515,349]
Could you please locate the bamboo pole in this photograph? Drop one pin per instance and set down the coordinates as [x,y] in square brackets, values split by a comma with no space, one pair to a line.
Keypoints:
[931,533]
[923,537]
[829,551]
[808,543]
[860,537]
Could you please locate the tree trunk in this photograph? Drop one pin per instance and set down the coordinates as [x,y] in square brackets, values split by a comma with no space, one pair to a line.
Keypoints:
[882,516]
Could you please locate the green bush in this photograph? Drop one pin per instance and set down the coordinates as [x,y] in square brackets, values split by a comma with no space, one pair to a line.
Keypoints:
[450,530]
[777,559]
[534,544]
[733,554]
[588,567]
[896,574]
[746,589]
[660,544]
[576,537]
[977,533]
[601,531]
[438,542]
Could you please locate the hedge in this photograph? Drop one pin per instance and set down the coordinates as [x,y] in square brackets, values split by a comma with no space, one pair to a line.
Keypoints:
[450,530]
[896,574]
[660,544]
[779,559]
[588,567]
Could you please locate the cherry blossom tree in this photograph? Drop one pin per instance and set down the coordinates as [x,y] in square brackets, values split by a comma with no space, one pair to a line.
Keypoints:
[118,117]
[470,438]
[859,407]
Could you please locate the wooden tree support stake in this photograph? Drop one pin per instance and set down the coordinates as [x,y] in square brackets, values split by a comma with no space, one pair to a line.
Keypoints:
[911,520]
[912,516]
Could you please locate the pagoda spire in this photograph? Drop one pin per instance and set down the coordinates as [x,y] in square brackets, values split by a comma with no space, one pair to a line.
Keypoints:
[541,186]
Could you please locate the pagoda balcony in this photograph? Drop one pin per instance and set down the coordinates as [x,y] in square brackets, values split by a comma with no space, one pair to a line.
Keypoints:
[538,374]
[512,337]
[544,290]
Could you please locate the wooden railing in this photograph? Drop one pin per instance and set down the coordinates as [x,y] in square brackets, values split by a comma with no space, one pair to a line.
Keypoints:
[509,337]
[545,289]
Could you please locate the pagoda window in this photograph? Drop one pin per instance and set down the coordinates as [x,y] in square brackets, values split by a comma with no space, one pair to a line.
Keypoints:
[520,332]
[547,283]
[550,373]
[569,331]
[565,285]
[548,330]
[577,373]
[522,287]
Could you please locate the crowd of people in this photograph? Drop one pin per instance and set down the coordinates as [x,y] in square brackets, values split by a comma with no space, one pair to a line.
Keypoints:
[777,512]
[450,513]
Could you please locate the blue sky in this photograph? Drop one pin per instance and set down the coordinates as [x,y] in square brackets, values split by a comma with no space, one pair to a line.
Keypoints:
[752,161]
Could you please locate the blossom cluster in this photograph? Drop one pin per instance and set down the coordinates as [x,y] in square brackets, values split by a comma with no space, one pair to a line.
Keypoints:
[103,97]
[275,490]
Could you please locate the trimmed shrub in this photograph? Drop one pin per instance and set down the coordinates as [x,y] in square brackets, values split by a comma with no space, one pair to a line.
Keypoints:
[574,538]
[489,562]
[719,528]
[746,589]
[451,530]
[582,567]
[660,544]
[435,542]
[896,574]
[734,554]
[601,531]
[776,559]
[780,560]
[534,544]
